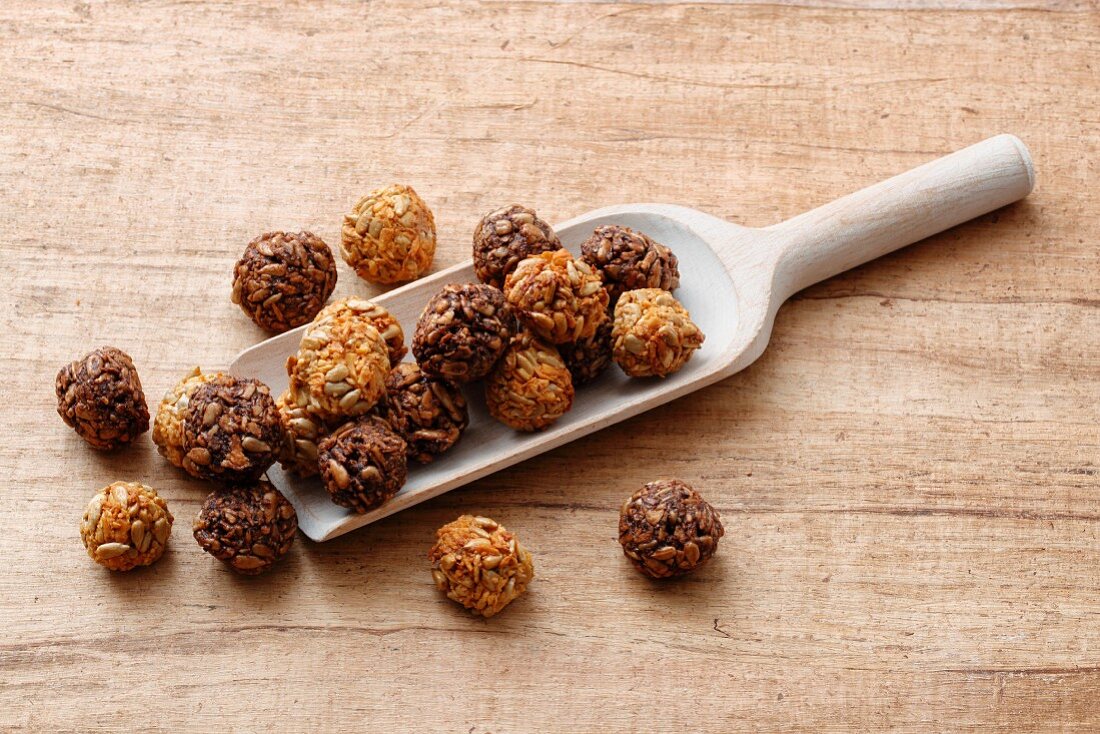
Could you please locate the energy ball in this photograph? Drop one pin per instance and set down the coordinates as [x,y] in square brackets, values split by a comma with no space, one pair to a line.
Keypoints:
[588,358]
[630,260]
[389,328]
[301,432]
[363,463]
[653,334]
[506,236]
[479,564]
[530,387]
[559,298]
[429,414]
[462,332]
[249,527]
[126,525]
[389,237]
[231,430]
[100,397]
[168,425]
[667,529]
[284,279]
[341,364]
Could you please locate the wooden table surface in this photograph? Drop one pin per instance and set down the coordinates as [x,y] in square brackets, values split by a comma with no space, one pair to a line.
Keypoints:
[908,476]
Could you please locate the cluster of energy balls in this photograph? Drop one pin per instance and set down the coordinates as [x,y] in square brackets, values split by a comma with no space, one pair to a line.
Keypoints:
[356,414]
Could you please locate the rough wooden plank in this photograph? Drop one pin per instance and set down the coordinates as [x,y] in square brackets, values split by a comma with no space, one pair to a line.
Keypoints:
[908,475]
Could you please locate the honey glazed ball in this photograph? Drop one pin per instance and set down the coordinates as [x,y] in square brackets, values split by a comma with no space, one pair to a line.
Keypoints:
[653,334]
[667,529]
[462,332]
[284,279]
[249,527]
[231,431]
[505,236]
[126,525]
[363,463]
[389,237]
[479,564]
[168,424]
[531,387]
[340,369]
[429,414]
[560,299]
[100,397]
[630,260]
[587,359]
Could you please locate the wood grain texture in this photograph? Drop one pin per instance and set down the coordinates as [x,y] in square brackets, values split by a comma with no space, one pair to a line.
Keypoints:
[908,475]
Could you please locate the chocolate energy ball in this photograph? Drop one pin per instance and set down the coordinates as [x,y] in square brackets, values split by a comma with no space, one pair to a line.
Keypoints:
[588,358]
[462,332]
[231,430]
[168,425]
[363,463]
[249,527]
[389,237]
[100,396]
[126,525]
[284,279]
[479,564]
[559,298]
[429,414]
[531,387]
[629,260]
[667,529]
[342,363]
[653,334]
[504,237]
[301,432]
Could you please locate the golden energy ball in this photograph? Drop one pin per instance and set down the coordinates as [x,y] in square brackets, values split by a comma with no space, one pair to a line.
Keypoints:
[340,369]
[530,387]
[126,525]
[389,237]
[653,334]
[560,299]
[479,564]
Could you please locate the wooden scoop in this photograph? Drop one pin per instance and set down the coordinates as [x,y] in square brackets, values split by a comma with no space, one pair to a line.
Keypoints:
[733,280]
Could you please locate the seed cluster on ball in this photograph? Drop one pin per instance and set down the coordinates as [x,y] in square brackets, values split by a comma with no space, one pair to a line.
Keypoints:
[249,526]
[389,236]
[462,332]
[629,260]
[363,463]
[667,529]
[506,236]
[479,564]
[531,387]
[126,525]
[284,279]
[231,431]
[653,334]
[100,397]
[429,414]
[559,298]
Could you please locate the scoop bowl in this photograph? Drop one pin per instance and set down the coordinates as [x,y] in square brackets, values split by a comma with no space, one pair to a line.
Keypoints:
[733,281]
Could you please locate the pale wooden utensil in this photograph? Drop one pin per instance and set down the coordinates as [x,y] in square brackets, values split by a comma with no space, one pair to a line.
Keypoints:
[733,280]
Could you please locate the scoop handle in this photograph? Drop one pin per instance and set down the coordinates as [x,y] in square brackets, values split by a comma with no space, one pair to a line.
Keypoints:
[900,211]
